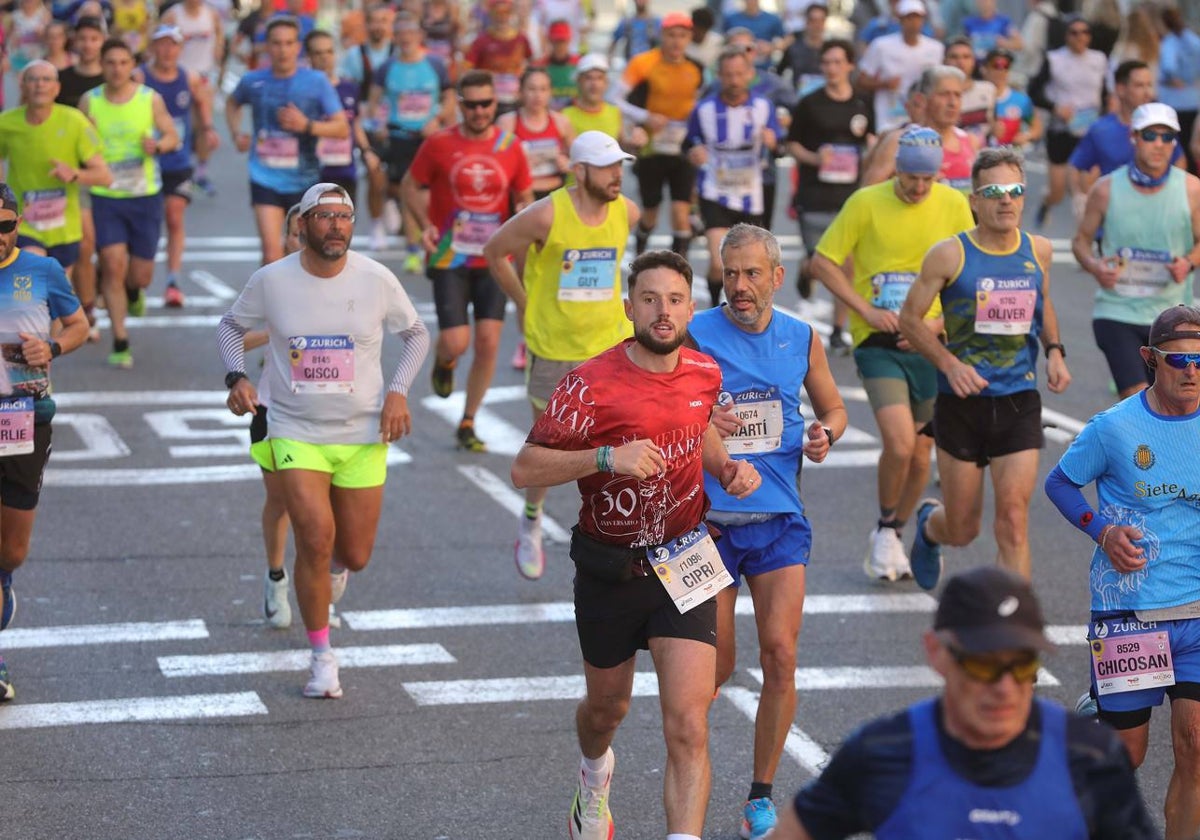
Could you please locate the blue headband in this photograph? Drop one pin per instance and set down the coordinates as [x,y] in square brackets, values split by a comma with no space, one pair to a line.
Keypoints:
[919,151]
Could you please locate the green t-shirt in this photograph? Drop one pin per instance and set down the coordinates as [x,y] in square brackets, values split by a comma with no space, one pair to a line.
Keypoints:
[50,208]
[888,240]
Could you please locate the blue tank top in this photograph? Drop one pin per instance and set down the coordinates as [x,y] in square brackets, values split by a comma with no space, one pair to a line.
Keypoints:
[940,803]
[764,373]
[412,92]
[178,98]
[993,312]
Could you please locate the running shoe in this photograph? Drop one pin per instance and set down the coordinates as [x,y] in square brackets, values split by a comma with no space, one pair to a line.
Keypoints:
[205,184]
[519,356]
[378,236]
[337,584]
[467,439]
[1039,220]
[926,556]
[93,335]
[8,600]
[137,305]
[392,220]
[880,562]
[173,297]
[442,379]
[758,817]
[276,608]
[414,264]
[590,817]
[122,359]
[531,559]
[804,285]
[7,692]
[837,343]
[323,682]
[1086,705]
[335,620]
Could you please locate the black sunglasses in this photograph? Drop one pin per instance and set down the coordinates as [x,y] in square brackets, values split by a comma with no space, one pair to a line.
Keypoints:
[1149,135]
[8,225]
[471,104]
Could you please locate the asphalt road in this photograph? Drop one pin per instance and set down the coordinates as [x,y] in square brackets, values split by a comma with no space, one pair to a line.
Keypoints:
[152,701]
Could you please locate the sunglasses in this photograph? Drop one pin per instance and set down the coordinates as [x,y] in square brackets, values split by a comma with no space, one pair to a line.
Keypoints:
[1079,32]
[1149,135]
[987,669]
[999,65]
[1001,190]
[472,104]
[1179,361]
[8,225]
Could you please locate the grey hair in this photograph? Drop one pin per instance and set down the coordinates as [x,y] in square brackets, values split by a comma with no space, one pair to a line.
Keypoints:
[741,235]
[933,76]
[993,157]
[731,52]
[38,62]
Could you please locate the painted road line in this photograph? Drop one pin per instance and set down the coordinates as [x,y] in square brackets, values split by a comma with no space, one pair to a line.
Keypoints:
[131,710]
[1068,634]
[213,284]
[102,634]
[876,676]
[262,662]
[514,690]
[563,611]
[804,750]
[502,437]
[137,399]
[511,500]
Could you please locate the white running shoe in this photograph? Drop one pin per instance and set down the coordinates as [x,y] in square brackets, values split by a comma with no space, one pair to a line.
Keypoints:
[590,817]
[276,608]
[337,585]
[378,235]
[880,562]
[324,680]
[392,220]
[530,557]
[335,620]
[900,564]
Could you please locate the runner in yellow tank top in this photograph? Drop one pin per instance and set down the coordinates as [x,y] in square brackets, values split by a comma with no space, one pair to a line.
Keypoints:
[573,242]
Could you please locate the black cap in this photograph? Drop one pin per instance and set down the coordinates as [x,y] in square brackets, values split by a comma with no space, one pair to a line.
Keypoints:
[8,200]
[1166,325]
[999,52]
[991,609]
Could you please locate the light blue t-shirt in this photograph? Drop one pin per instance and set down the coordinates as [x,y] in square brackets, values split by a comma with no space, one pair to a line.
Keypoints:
[412,92]
[281,160]
[1147,476]
[764,373]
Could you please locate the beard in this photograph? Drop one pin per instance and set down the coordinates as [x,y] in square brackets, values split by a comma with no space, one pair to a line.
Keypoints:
[333,249]
[746,318]
[645,337]
[599,193]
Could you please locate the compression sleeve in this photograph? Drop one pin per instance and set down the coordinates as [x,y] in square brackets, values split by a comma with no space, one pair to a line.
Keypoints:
[230,335]
[416,346]
[1073,505]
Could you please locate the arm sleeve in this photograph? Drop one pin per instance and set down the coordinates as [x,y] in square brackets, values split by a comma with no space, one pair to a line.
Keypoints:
[245,314]
[1072,504]
[416,347]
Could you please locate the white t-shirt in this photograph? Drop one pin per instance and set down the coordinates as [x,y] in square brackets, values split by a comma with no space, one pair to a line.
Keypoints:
[323,369]
[889,57]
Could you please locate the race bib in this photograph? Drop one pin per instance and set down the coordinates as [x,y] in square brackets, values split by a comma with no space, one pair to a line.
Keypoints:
[45,209]
[1005,305]
[1082,120]
[1128,657]
[737,172]
[181,129]
[839,164]
[322,364]
[888,290]
[669,141]
[16,426]
[278,151]
[588,274]
[128,176]
[441,49]
[507,87]
[472,231]
[542,156]
[414,105]
[690,569]
[1143,273]
[761,414]
[335,151]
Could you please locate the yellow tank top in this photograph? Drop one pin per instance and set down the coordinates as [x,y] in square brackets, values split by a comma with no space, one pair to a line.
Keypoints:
[129,22]
[121,128]
[573,284]
[607,119]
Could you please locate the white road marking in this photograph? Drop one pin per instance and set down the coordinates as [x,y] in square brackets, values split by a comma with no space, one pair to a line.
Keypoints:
[102,634]
[562,611]
[502,437]
[131,710]
[876,676]
[803,749]
[100,439]
[1068,634]
[213,284]
[136,399]
[514,690]
[260,662]
[511,500]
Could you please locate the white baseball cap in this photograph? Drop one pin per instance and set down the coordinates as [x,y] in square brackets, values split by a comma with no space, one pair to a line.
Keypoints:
[591,61]
[320,194]
[1154,113]
[596,148]
[166,30]
[910,7]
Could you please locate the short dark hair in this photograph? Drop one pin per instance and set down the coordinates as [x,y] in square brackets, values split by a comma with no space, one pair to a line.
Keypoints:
[836,44]
[991,158]
[474,79]
[282,20]
[658,259]
[530,71]
[960,41]
[91,22]
[703,17]
[1125,70]
[114,44]
[314,35]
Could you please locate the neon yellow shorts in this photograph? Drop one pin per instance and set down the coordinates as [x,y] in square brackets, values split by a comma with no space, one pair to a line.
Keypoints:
[262,455]
[352,465]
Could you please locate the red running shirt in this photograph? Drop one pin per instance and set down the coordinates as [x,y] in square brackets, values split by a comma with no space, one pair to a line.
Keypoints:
[609,401]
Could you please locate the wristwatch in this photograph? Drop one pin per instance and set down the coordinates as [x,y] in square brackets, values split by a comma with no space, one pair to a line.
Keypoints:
[233,376]
[828,434]
[55,349]
[1059,347]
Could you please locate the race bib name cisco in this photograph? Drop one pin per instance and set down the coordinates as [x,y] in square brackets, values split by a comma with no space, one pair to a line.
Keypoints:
[322,364]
